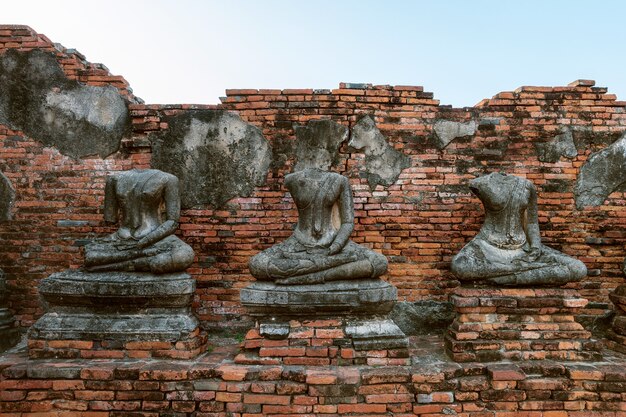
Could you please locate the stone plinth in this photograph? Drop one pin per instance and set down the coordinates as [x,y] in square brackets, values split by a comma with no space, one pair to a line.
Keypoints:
[9,333]
[617,335]
[337,323]
[373,296]
[117,315]
[518,324]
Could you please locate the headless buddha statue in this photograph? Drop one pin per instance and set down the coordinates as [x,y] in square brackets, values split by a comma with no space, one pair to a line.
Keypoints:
[508,250]
[319,249]
[147,203]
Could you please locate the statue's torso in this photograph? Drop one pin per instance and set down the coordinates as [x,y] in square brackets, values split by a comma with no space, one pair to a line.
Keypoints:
[140,197]
[315,194]
[504,220]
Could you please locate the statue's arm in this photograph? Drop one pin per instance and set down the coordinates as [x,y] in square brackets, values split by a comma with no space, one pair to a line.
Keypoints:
[346,214]
[172,209]
[111,205]
[532,223]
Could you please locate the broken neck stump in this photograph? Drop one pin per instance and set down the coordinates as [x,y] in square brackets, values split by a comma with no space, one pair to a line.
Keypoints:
[132,299]
[319,299]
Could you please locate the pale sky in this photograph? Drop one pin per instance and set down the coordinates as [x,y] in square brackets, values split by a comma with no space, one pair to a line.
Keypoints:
[190,51]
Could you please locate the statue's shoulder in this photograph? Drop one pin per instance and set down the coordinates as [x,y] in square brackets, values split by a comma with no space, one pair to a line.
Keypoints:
[528,184]
[341,179]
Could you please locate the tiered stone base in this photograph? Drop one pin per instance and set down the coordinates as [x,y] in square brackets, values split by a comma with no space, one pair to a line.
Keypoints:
[336,323]
[518,324]
[117,315]
[617,336]
[81,336]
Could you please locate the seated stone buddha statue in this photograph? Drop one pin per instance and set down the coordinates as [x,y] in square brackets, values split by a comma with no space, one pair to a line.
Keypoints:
[508,250]
[319,249]
[147,203]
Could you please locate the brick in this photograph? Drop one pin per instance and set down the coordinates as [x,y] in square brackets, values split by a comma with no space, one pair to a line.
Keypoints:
[505,373]
[320,378]
[266,399]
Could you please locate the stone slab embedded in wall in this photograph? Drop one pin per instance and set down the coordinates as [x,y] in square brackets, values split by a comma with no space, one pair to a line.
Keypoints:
[448,130]
[215,154]
[79,120]
[603,173]
[422,317]
[318,143]
[383,164]
[561,145]
[7,198]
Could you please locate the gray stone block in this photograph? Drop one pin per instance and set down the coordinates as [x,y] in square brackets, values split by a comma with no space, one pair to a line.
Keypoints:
[77,119]
[383,164]
[346,297]
[214,153]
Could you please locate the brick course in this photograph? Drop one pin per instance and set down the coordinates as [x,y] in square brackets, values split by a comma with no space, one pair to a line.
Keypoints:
[213,386]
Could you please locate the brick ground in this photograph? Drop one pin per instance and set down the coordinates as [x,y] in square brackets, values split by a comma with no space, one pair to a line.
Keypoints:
[213,386]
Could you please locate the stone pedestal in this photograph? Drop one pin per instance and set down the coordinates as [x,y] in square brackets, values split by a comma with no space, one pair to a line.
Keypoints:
[117,315]
[9,333]
[336,323]
[617,335]
[518,324]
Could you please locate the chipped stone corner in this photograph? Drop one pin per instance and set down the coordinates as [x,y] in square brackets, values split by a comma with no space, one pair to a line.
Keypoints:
[214,153]
[383,163]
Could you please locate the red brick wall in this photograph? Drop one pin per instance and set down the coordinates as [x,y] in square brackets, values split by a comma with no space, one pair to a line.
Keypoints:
[211,387]
[419,222]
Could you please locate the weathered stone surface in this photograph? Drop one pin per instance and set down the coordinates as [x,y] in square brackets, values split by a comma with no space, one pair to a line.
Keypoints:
[9,333]
[215,154]
[383,164]
[169,326]
[147,204]
[79,120]
[320,249]
[561,145]
[376,334]
[7,198]
[117,290]
[347,297]
[274,331]
[422,317]
[447,130]
[508,250]
[115,305]
[318,143]
[602,174]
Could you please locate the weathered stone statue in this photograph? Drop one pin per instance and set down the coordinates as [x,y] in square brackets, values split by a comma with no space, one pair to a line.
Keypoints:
[147,204]
[319,249]
[9,333]
[508,249]
[132,287]
[318,273]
